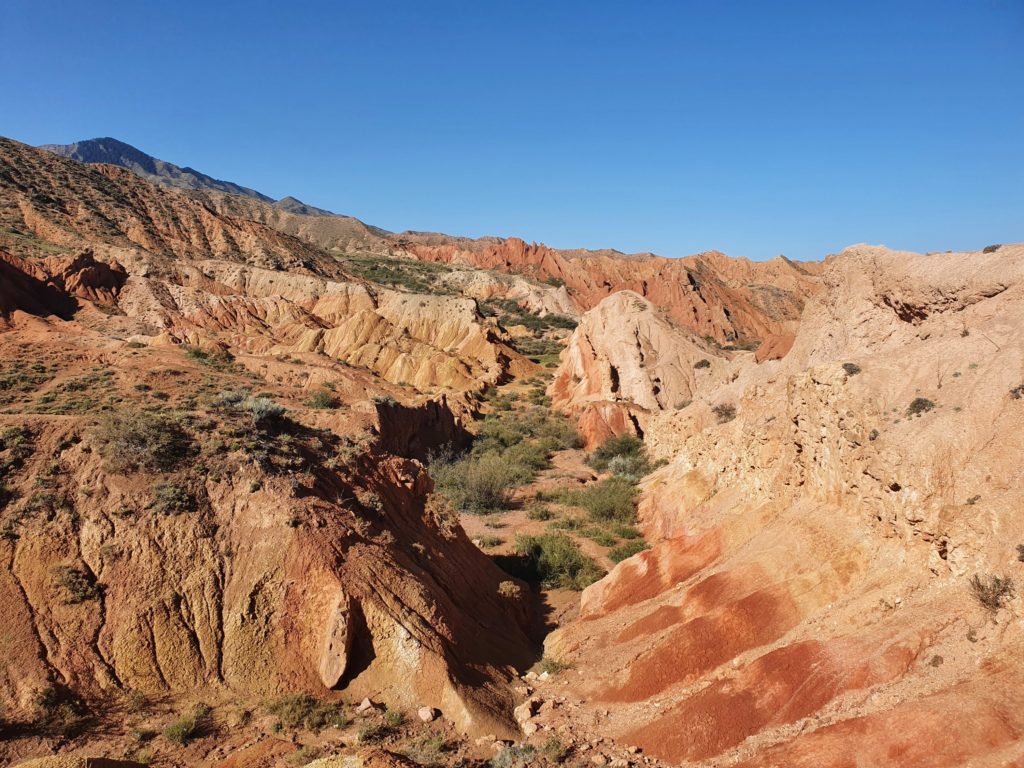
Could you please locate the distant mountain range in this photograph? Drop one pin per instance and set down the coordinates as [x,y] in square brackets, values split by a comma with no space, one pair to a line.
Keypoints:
[156,171]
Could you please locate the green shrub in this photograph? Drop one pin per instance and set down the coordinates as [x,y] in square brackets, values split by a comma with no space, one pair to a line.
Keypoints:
[919,405]
[537,511]
[600,536]
[142,440]
[322,399]
[300,710]
[554,749]
[172,499]
[611,499]
[477,484]
[702,363]
[304,755]
[188,726]
[626,550]
[852,369]
[59,711]
[627,532]
[613,447]
[490,542]
[219,359]
[78,584]
[555,560]
[264,411]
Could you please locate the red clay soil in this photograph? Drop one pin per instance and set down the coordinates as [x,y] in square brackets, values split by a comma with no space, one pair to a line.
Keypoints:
[989,731]
[781,687]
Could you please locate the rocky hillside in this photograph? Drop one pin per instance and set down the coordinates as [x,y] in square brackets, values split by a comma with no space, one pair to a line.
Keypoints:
[209,435]
[838,538]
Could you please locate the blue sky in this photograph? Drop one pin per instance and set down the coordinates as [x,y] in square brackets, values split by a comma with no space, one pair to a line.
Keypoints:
[754,128]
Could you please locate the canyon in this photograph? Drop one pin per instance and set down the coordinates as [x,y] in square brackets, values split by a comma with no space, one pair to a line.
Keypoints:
[230,434]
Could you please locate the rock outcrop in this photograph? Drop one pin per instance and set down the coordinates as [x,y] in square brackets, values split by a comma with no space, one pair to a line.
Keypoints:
[808,599]
[626,360]
[729,300]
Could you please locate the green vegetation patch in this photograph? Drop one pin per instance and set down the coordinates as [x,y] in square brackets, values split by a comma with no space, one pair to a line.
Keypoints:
[555,560]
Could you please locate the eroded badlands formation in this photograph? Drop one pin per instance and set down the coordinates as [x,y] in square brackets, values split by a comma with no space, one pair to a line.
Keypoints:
[836,529]
[808,600]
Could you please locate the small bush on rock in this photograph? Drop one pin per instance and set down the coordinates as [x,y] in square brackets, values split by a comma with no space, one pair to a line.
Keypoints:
[141,440]
[77,584]
[172,499]
[724,412]
[322,399]
[615,447]
[992,591]
[919,405]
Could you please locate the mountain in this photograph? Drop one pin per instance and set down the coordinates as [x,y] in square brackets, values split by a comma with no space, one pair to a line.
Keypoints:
[294,205]
[114,152]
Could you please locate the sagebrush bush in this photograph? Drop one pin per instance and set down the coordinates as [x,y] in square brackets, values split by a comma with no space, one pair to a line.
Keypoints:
[615,447]
[322,399]
[852,369]
[919,405]
[172,499]
[610,500]
[477,484]
[992,591]
[264,411]
[77,584]
[702,363]
[133,440]
[189,725]
[515,757]
[300,710]
[724,412]
[555,560]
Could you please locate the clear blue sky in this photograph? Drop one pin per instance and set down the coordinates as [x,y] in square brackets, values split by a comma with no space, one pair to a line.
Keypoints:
[756,128]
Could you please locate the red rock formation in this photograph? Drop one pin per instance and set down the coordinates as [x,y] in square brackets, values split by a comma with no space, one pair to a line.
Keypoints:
[727,299]
[808,597]
[627,360]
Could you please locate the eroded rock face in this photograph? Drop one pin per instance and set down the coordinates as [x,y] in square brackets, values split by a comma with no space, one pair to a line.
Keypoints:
[626,360]
[808,600]
[330,573]
[351,584]
[727,299]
